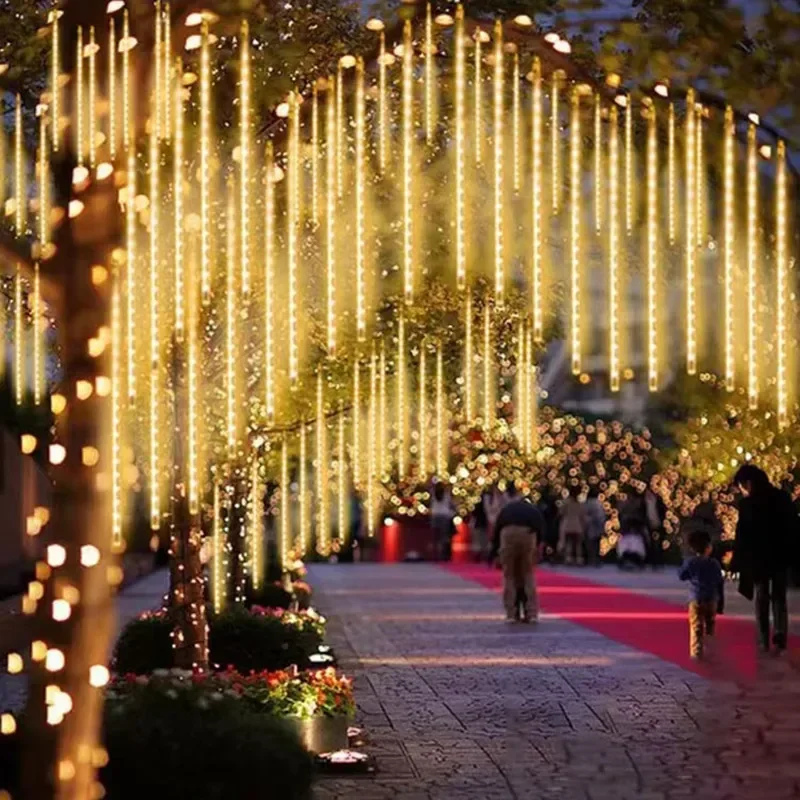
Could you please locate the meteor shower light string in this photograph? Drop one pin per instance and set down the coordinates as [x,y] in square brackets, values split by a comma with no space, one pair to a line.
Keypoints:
[499,244]
[461,255]
[752,266]
[536,195]
[652,250]
[408,141]
[575,229]
[729,244]
[613,250]
[782,287]
[691,241]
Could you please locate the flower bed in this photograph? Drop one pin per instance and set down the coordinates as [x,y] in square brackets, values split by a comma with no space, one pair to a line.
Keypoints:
[317,704]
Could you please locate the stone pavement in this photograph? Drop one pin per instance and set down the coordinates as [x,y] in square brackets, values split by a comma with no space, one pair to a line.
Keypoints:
[456,704]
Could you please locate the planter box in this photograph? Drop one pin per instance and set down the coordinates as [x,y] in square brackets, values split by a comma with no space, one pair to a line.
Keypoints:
[322,734]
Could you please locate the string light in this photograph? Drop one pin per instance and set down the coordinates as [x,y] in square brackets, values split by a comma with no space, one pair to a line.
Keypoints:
[423,414]
[178,166]
[672,179]
[652,251]
[116,421]
[205,167]
[520,405]
[191,368]
[629,155]
[555,145]
[158,79]
[218,566]
[79,135]
[244,158]
[126,84]
[305,527]
[383,108]
[130,273]
[372,471]
[461,254]
[167,57]
[361,311]
[155,340]
[752,267]
[729,244]
[355,455]
[55,76]
[575,229]
[231,315]
[598,164]
[341,486]
[469,381]
[382,411]
[38,367]
[92,98]
[112,88]
[499,110]
[401,395]
[256,531]
[478,98]
[782,285]
[323,520]
[613,246]
[284,510]
[19,343]
[408,143]
[429,76]
[269,285]
[340,122]
[441,459]
[20,201]
[533,399]
[536,196]
[488,389]
[691,241]
[517,126]
[291,238]
[700,176]
[315,155]
[330,227]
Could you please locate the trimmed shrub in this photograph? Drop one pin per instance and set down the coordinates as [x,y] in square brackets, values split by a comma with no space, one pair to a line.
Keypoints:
[145,644]
[167,739]
[259,642]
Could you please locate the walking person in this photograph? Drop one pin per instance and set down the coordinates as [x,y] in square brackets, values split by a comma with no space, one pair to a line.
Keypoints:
[548,544]
[595,526]
[516,531]
[479,527]
[573,527]
[442,526]
[655,512]
[706,596]
[493,502]
[763,551]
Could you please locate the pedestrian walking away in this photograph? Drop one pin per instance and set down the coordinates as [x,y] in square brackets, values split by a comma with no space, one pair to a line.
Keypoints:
[573,527]
[516,532]
[766,543]
[706,595]
[595,526]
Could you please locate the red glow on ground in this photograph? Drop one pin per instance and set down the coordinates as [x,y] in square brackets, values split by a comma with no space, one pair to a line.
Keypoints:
[637,620]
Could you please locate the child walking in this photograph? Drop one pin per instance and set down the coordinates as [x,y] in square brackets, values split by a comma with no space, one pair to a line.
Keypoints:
[706,585]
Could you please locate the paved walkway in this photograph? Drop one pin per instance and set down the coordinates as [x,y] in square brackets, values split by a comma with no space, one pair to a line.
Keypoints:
[458,705]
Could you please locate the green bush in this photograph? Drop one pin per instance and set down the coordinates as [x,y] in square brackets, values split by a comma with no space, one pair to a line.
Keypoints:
[238,638]
[270,595]
[259,642]
[144,645]
[169,741]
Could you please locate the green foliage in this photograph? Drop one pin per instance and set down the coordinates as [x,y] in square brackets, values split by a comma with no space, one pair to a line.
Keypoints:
[259,642]
[171,743]
[23,49]
[752,63]
[262,640]
[144,645]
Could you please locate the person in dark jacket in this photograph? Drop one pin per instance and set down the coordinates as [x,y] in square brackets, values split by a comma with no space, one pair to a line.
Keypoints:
[706,590]
[515,534]
[763,551]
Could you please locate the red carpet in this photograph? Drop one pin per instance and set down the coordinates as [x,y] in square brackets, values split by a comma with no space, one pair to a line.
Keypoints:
[633,619]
